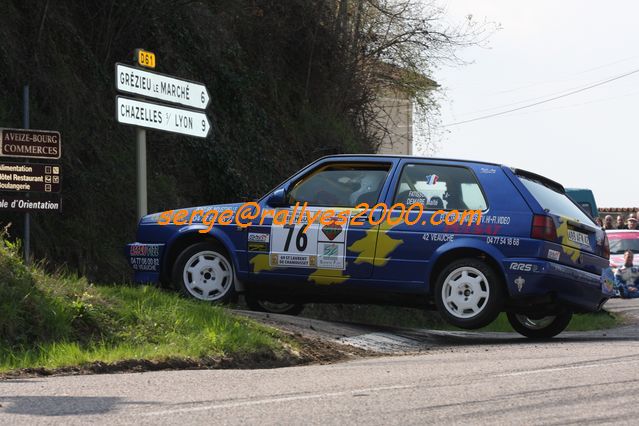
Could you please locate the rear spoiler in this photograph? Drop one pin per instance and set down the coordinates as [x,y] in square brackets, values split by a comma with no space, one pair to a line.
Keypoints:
[541,179]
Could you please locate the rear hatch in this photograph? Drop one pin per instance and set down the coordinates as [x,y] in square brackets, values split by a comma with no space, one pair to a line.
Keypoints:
[563,221]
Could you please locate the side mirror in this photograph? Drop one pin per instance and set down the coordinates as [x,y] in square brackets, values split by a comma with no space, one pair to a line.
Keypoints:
[278,198]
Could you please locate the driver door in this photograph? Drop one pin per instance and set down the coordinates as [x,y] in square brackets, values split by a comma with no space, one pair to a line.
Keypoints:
[330,252]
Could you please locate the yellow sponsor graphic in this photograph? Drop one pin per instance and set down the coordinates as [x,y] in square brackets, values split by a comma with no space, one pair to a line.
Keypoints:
[260,263]
[328,276]
[366,246]
[569,247]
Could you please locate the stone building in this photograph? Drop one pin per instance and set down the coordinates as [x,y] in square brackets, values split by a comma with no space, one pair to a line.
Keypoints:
[394,108]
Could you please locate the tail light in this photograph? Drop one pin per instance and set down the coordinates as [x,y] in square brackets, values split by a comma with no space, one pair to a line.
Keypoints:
[543,228]
[606,247]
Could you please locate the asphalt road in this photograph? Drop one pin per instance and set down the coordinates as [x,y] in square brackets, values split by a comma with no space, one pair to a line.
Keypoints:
[581,378]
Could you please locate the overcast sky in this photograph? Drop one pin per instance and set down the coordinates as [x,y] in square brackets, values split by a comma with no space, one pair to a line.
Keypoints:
[548,48]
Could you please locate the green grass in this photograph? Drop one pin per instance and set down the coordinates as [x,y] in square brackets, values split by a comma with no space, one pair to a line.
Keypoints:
[416,318]
[56,321]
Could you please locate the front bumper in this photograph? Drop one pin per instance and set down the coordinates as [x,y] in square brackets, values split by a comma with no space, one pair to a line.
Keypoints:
[533,278]
[145,261]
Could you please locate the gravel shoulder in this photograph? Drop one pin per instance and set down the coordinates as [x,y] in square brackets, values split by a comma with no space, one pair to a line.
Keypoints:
[400,341]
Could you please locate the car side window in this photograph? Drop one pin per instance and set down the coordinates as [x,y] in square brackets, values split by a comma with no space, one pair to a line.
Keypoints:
[440,187]
[341,185]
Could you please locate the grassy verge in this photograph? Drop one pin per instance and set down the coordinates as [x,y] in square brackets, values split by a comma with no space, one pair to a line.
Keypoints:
[60,321]
[415,318]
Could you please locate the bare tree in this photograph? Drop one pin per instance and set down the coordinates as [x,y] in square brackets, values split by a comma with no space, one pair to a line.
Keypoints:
[399,43]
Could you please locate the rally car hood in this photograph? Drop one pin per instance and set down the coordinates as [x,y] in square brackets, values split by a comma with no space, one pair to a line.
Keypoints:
[153,218]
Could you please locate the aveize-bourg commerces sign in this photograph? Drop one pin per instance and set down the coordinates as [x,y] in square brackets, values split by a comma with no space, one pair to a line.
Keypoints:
[27,143]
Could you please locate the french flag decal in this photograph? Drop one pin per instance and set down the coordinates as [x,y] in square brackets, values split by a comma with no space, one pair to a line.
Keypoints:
[431,179]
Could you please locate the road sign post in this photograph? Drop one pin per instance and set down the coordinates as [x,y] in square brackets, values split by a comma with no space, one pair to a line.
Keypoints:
[27,215]
[140,136]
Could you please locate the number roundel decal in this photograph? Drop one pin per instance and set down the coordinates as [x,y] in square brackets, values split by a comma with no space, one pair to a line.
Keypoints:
[321,246]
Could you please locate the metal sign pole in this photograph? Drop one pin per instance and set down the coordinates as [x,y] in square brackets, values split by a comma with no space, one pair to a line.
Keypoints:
[140,136]
[27,215]
[140,154]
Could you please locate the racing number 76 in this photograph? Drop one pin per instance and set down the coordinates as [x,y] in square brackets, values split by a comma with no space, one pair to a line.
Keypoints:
[301,240]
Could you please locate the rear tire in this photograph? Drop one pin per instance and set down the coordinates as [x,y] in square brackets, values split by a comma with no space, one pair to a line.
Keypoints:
[204,272]
[259,305]
[469,293]
[541,328]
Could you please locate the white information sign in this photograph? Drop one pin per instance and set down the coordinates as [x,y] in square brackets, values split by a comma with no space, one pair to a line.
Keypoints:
[161,117]
[162,87]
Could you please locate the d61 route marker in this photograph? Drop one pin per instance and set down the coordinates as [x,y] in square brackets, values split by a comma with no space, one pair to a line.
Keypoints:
[162,87]
[145,58]
[161,117]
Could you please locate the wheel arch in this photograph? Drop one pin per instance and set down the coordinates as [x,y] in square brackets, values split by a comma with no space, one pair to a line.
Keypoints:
[187,237]
[445,256]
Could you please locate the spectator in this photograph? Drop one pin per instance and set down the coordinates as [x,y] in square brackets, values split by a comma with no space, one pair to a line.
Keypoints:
[626,277]
[620,223]
[632,223]
[598,221]
[608,222]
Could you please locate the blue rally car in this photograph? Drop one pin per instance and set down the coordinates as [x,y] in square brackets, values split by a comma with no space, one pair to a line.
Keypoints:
[528,250]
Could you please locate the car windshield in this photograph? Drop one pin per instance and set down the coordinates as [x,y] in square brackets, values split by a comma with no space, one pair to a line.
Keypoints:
[619,246]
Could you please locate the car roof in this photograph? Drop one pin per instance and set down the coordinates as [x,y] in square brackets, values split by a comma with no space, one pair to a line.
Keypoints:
[520,172]
[415,157]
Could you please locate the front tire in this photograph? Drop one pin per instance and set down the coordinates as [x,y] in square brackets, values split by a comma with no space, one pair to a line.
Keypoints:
[540,328]
[204,272]
[469,293]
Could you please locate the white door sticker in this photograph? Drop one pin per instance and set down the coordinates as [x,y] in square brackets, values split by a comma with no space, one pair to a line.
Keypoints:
[321,246]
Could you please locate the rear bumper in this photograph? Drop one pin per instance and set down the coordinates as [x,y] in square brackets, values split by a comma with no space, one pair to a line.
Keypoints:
[144,259]
[534,278]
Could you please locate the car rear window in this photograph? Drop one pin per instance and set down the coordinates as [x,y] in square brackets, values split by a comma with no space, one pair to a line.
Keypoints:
[554,201]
